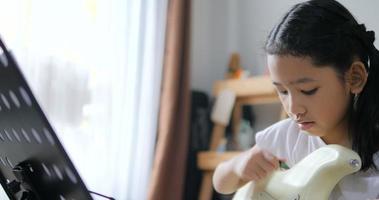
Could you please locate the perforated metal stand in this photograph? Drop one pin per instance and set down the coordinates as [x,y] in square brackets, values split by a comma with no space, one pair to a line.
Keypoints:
[33,163]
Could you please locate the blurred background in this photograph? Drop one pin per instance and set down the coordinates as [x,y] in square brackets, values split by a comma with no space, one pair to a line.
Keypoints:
[127,84]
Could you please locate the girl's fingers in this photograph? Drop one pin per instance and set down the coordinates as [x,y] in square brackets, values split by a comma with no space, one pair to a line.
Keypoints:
[254,172]
[261,171]
[256,164]
[268,157]
[249,177]
[267,166]
[255,177]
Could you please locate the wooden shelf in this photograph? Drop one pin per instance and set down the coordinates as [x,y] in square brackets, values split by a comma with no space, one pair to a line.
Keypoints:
[253,86]
[208,160]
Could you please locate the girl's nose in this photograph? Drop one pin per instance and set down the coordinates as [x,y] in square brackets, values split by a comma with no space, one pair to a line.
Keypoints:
[296,108]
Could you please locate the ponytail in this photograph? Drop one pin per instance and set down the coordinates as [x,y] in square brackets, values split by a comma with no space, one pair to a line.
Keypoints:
[364,120]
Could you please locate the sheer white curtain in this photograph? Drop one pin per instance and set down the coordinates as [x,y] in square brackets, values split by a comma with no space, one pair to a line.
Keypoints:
[95,67]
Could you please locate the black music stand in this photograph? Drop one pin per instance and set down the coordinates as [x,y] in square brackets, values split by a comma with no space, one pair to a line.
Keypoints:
[33,163]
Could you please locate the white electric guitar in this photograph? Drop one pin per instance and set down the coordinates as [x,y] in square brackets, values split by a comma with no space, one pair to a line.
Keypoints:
[313,178]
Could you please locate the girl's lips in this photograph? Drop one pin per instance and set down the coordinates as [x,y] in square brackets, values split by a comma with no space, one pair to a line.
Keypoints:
[305,125]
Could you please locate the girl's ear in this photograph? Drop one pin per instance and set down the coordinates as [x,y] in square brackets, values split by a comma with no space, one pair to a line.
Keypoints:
[356,77]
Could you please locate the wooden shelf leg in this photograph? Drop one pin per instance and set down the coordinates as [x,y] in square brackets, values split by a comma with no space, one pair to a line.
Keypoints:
[236,120]
[206,190]
[218,134]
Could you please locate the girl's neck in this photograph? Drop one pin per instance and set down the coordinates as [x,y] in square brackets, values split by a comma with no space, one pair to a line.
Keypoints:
[337,139]
[338,136]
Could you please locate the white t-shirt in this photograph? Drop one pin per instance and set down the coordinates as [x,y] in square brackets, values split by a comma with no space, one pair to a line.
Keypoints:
[286,140]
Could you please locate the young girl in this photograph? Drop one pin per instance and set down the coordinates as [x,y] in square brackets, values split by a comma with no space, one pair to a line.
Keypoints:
[325,68]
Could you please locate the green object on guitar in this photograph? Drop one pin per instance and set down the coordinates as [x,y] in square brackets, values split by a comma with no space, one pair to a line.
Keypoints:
[283,165]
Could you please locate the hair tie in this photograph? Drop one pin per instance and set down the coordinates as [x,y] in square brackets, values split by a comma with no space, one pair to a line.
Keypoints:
[368,36]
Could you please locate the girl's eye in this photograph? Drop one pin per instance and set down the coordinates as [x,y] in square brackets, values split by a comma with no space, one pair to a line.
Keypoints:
[309,92]
[283,92]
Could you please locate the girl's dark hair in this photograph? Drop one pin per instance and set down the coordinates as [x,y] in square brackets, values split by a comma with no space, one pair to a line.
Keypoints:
[326,31]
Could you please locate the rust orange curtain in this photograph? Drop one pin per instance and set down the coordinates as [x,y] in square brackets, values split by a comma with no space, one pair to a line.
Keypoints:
[168,174]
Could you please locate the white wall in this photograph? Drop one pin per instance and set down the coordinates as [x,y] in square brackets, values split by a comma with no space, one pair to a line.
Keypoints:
[213,38]
[220,27]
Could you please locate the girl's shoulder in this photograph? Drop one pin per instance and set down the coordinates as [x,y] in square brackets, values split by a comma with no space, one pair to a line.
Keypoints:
[283,131]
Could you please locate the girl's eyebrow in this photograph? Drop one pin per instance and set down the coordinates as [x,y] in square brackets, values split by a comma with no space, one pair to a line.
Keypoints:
[298,81]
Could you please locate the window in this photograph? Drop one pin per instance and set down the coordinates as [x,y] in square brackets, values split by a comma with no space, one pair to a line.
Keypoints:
[95,67]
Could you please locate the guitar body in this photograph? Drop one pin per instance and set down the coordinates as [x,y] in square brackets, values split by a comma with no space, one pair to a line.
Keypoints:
[313,178]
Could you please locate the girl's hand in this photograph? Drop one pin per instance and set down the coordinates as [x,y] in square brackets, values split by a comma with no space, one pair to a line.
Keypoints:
[255,164]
